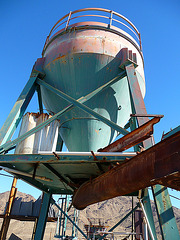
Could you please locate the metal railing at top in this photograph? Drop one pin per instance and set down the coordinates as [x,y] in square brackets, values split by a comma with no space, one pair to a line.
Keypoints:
[67,20]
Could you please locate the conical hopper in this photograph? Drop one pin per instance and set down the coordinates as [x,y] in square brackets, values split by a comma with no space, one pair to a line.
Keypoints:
[77,60]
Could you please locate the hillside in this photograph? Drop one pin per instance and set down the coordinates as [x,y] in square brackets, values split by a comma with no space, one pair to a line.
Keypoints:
[108,212]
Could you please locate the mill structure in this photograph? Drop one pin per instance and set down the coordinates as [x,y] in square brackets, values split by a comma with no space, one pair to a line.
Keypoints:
[90,88]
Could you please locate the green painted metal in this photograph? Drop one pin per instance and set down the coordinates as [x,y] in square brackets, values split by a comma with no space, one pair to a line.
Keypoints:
[173,131]
[59,145]
[147,207]
[60,170]
[79,61]
[84,235]
[146,199]
[76,122]
[85,108]
[41,224]
[65,221]
[122,220]
[137,102]
[63,159]
[62,220]
[4,147]
[18,110]
[116,93]
[39,99]
[138,107]
[75,219]
[136,94]
[165,213]
[161,197]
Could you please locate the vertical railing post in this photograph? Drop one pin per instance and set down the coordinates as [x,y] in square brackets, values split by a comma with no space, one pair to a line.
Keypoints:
[140,44]
[69,17]
[110,19]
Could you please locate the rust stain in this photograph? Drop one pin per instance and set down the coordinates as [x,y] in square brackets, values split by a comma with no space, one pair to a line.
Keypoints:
[97,131]
[62,56]
[138,135]
[164,200]
[36,115]
[122,179]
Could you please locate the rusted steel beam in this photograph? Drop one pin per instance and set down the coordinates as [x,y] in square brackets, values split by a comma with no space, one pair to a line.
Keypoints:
[159,164]
[6,220]
[131,139]
[28,218]
[147,115]
[61,178]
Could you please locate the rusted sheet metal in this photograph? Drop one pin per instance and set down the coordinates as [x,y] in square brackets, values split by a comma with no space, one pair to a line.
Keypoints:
[43,140]
[131,139]
[159,164]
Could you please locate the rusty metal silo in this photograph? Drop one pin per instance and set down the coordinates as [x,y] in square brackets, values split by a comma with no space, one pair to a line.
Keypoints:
[82,56]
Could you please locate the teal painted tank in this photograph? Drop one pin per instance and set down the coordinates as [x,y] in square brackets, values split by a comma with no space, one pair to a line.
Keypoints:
[79,58]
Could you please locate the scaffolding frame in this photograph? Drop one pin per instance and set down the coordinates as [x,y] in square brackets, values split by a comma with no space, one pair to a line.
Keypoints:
[138,118]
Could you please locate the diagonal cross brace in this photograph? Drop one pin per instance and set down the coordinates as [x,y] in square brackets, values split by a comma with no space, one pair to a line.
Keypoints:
[6,146]
[64,213]
[18,110]
[122,220]
[84,107]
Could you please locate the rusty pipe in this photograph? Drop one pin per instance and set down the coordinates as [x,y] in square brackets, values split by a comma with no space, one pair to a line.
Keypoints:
[131,139]
[159,164]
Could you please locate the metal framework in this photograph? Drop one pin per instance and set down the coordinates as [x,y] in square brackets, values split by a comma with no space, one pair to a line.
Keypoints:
[58,183]
[64,203]
[108,16]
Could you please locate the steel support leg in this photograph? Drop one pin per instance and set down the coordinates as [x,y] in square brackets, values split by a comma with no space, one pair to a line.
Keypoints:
[138,107]
[147,207]
[165,213]
[161,197]
[18,110]
[62,220]
[40,99]
[6,220]
[84,235]
[41,224]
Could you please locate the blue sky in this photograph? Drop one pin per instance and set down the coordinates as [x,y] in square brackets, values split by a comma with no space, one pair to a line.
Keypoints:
[26,24]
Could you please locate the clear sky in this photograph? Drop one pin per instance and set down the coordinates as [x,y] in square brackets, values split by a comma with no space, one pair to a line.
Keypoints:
[24,26]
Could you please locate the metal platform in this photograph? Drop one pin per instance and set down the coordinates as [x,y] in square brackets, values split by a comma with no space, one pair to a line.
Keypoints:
[60,172]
